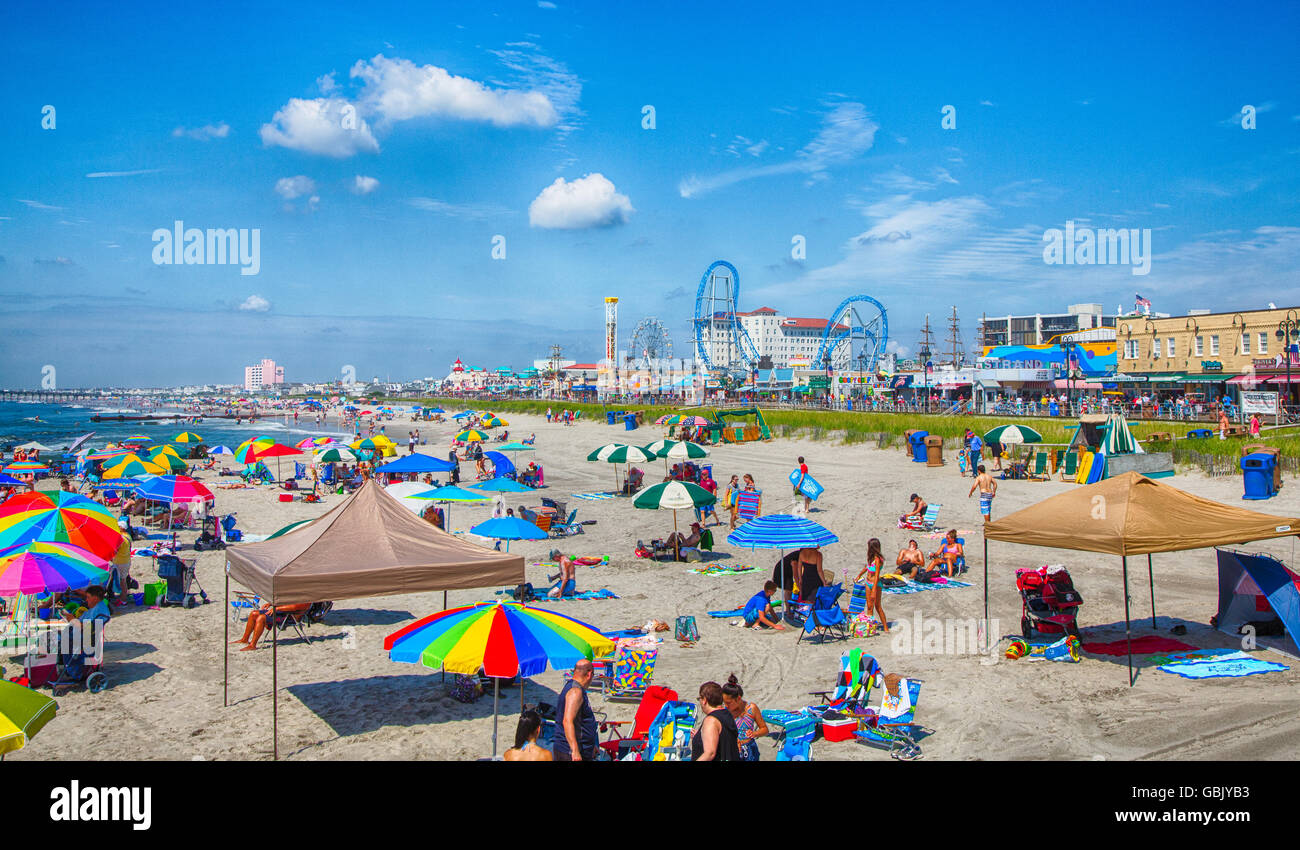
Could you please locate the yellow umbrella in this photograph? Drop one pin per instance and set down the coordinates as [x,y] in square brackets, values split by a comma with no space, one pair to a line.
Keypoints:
[133,465]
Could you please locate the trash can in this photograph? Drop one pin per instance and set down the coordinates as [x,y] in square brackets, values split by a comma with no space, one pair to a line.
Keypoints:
[609,417]
[917,440]
[629,422]
[934,451]
[1257,475]
[1277,462]
[1054,409]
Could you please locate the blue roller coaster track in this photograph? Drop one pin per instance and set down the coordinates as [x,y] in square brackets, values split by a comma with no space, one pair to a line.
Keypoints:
[861,345]
[719,334]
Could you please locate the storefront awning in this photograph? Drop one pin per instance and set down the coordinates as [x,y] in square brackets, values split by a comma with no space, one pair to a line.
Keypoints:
[1251,379]
[1066,383]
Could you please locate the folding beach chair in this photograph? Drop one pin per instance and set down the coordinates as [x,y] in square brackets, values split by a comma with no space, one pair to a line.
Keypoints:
[794,741]
[826,616]
[669,737]
[567,528]
[625,675]
[748,504]
[930,518]
[859,672]
[1039,470]
[894,724]
[619,745]
[857,600]
[1069,466]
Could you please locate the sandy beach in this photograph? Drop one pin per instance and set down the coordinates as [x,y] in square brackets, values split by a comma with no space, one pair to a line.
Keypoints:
[341,698]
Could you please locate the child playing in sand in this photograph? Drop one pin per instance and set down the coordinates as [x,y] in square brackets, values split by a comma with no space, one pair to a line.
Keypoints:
[759,613]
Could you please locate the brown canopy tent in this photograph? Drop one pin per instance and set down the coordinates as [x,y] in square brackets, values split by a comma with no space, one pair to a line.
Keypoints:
[368,545]
[1132,515]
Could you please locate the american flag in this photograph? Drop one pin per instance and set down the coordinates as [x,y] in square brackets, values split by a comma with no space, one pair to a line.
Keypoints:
[1142,302]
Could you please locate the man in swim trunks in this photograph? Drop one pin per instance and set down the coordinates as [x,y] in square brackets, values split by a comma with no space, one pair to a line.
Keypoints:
[918,509]
[910,559]
[988,489]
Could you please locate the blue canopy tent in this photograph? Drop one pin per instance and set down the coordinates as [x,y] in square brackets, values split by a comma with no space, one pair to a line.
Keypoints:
[417,463]
[1254,587]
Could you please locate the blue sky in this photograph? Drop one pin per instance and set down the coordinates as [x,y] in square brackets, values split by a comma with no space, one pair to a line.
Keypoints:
[771,121]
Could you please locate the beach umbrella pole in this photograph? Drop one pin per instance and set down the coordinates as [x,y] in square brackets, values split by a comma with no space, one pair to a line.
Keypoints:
[496,708]
[1151,578]
[987,636]
[1128,628]
[225,673]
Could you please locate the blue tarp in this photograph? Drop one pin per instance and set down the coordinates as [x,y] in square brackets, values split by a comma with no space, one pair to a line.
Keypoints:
[1275,581]
[417,463]
[501,465]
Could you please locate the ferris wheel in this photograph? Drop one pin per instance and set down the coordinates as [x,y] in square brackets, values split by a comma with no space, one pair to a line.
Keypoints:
[650,343]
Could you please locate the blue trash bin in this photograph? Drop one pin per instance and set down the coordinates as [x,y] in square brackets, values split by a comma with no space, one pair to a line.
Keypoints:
[629,422]
[1257,475]
[918,445]
[609,417]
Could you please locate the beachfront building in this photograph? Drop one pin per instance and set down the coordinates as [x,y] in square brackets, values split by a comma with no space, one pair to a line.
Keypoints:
[264,374]
[1205,356]
[789,341]
[1041,328]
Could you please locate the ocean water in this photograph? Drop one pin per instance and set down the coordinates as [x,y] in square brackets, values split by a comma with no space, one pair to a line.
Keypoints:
[58,425]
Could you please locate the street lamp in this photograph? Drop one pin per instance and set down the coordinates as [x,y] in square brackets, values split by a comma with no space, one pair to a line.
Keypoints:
[924,354]
[1287,330]
[826,363]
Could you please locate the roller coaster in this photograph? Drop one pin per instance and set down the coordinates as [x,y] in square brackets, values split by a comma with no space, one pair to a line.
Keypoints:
[856,336]
[721,343]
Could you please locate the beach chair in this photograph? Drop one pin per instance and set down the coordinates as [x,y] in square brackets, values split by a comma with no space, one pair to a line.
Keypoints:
[797,732]
[748,504]
[894,724]
[1039,471]
[826,617]
[931,517]
[625,675]
[652,702]
[859,672]
[857,600]
[1069,466]
[567,528]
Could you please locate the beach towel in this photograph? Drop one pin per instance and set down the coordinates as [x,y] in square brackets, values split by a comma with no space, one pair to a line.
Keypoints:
[1229,666]
[1194,655]
[594,497]
[1141,646]
[722,615]
[723,571]
[602,593]
[910,586]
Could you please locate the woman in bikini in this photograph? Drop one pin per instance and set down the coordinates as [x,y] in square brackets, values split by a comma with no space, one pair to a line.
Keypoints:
[948,555]
[526,748]
[750,725]
[873,570]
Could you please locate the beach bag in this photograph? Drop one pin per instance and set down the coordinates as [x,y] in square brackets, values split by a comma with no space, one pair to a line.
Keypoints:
[525,593]
[466,688]
[686,630]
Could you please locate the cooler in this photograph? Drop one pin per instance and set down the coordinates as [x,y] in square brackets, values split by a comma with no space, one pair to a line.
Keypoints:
[839,730]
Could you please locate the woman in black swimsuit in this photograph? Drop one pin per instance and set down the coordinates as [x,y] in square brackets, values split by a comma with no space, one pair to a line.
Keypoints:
[716,738]
[811,574]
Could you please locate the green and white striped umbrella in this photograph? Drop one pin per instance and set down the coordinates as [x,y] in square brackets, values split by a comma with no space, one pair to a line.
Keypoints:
[619,453]
[1009,435]
[336,455]
[674,496]
[677,449]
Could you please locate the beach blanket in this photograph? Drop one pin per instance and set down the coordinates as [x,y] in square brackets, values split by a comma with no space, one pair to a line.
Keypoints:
[594,497]
[624,633]
[723,571]
[602,593]
[1142,646]
[961,532]
[916,587]
[1229,666]
[1194,655]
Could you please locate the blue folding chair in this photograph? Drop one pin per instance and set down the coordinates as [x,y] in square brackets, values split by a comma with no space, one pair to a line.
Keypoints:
[798,730]
[894,725]
[826,616]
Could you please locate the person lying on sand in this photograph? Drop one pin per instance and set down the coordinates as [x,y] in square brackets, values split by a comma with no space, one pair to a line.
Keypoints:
[910,559]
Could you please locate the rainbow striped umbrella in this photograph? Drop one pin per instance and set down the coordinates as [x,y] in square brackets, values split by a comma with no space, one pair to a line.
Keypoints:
[24,466]
[59,517]
[130,466]
[314,443]
[23,713]
[187,437]
[504,639]
[173,489]
[41,567]
[249,449]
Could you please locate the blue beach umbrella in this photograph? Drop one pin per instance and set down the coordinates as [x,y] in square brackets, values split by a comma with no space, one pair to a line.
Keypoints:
[502,485]
[781,531]
[509,528]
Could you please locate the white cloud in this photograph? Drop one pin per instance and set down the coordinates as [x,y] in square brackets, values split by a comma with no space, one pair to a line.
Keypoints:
[545,4]
[204,133]
[895,180]
[37,205]
[255,304]
[589,201]
[363,185]
[399,90]
[328,126]
[847,132]
[294,187]
[474,211]
[326,83]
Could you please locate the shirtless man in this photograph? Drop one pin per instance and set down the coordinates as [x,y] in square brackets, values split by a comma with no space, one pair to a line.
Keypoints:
[918,508]
[988,489]
[910,559]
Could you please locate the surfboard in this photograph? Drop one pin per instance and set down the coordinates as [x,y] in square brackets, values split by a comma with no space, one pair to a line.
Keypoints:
[1085,467]
[1098,470]
[810,487]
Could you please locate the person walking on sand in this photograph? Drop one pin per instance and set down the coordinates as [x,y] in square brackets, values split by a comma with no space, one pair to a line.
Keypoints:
[798,486]
[733,488]
[873,570]
[988,489]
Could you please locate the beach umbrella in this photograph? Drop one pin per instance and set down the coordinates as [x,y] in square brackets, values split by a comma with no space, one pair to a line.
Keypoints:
[23,713]
[187,437]
[47,567]
[509,528]
[173,489]
[246,452]
[494,422]
[619,453]
[220,450]
[164,450]
[168,459]
[343,455]
[10,481]
[27,447]
[275,450]
[683,419]
[133,465]
[404,491]
[448,494]
[502,485]
[516,447]
[137,438]
[59,517]
[781,531]
[503,639]
[464,414]
[107,454]
[472,436]
[290,527]
[674,496]
[676,449]
[1013,435]
[26,467]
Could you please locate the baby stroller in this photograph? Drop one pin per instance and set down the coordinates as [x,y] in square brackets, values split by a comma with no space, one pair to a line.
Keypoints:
[1051,604]
[211,535]
[181,578]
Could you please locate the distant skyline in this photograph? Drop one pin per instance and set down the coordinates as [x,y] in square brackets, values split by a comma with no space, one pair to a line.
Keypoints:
[448,180]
